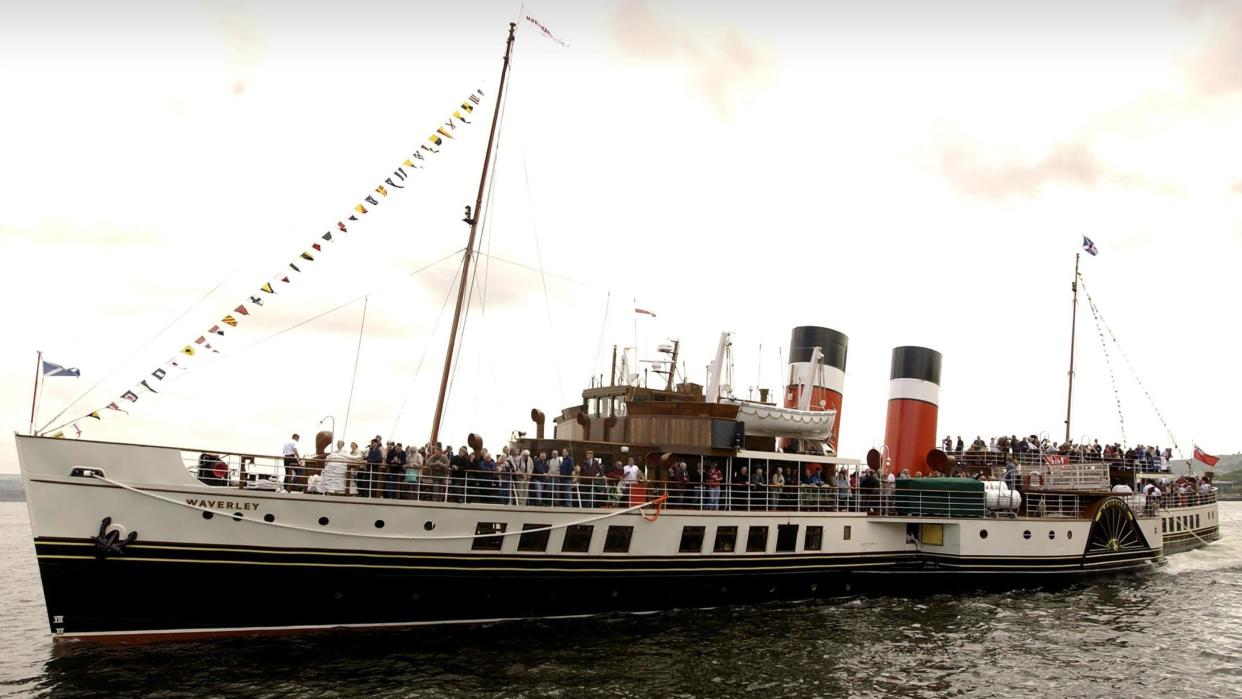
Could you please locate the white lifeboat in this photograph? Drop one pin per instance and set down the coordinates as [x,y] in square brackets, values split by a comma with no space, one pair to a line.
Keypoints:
[773,421]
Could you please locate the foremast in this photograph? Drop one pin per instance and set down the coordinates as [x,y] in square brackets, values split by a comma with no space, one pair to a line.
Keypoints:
[473,217]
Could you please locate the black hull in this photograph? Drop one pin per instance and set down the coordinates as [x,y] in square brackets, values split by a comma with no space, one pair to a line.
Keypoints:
[158,591]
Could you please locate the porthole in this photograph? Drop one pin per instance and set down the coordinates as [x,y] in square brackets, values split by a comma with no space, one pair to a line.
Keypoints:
[414,596]
[1052,534]
[323,521]
[207,515]
[1069,534]
[237,516]
[1026,534]
[379,524]
[814,587]
[429,525]
[983,533]
[338,595]
[269,517]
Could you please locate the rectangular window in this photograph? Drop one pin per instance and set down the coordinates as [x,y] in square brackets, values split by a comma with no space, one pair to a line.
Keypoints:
[618,539]
[726,540]
[485,539]
[757,540]
[1196,521]
[577,538]
[846,534]
[1164,525]
[931,534]
[786,537]
[534,540]
[814,540]
[692,540]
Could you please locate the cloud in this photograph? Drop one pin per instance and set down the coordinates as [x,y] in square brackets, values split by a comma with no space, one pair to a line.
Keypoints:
[63,231]
[243,41]
[1072,164]
[1216,68]
[724,67]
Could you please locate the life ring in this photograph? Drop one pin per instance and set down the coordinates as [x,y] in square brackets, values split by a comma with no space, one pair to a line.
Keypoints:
[1036,478]
[219,470]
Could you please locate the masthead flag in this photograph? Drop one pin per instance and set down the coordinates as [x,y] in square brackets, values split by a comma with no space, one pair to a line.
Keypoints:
[1205,458]
[1089,246]
[545,31]
[643,311]
[50,369]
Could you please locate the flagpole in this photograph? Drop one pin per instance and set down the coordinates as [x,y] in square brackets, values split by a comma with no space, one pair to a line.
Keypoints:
[1069,400]
[34,397]
[473,219]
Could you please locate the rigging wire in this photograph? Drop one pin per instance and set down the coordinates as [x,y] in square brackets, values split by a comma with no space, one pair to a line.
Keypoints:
[357,354]
[520,265]
[295,326]
[130,358]
[1121,418]
[1133,372]
[426,348]
[486,221]
[603,331]
[543,279]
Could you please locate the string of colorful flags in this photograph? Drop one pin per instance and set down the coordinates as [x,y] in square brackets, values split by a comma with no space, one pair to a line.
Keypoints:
[398,180]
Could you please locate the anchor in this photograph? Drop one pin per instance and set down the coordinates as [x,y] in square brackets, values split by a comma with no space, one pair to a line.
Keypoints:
[109,542]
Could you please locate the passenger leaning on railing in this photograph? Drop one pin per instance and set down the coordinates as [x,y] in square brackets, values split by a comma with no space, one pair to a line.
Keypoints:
[293,464]
[713,480]
[437,471]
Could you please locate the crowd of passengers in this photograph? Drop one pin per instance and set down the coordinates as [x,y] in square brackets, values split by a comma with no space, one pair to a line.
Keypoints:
[516,477]
[1182,492]
[995,451]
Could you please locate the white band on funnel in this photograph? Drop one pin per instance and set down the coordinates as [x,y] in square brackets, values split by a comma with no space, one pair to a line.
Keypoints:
[829,377]
[914,389]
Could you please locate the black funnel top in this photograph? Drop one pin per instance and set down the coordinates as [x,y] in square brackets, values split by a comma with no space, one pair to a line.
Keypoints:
[807,337]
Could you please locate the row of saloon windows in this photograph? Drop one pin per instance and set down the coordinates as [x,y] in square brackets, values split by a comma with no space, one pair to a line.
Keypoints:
[535,537]
[1178,524]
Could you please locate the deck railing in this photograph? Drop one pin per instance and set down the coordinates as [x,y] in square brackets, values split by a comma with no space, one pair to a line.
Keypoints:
[1029,499]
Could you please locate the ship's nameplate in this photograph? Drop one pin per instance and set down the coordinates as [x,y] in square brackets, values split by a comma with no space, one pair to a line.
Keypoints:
[222,504]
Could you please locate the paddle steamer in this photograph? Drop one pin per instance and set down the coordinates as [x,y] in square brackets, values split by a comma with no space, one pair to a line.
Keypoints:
[140,541]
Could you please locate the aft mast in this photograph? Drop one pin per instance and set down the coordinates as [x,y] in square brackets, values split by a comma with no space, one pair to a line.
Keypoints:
[473,218]
[1069,400]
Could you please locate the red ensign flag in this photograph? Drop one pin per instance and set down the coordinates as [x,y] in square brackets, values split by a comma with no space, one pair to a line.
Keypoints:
[1205,458]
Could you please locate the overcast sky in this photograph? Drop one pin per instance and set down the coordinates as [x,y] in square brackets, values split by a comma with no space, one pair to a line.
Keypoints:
[904,172]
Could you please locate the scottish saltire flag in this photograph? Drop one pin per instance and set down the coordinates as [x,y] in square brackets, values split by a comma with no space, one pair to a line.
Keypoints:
[1089,246]
[50,369]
